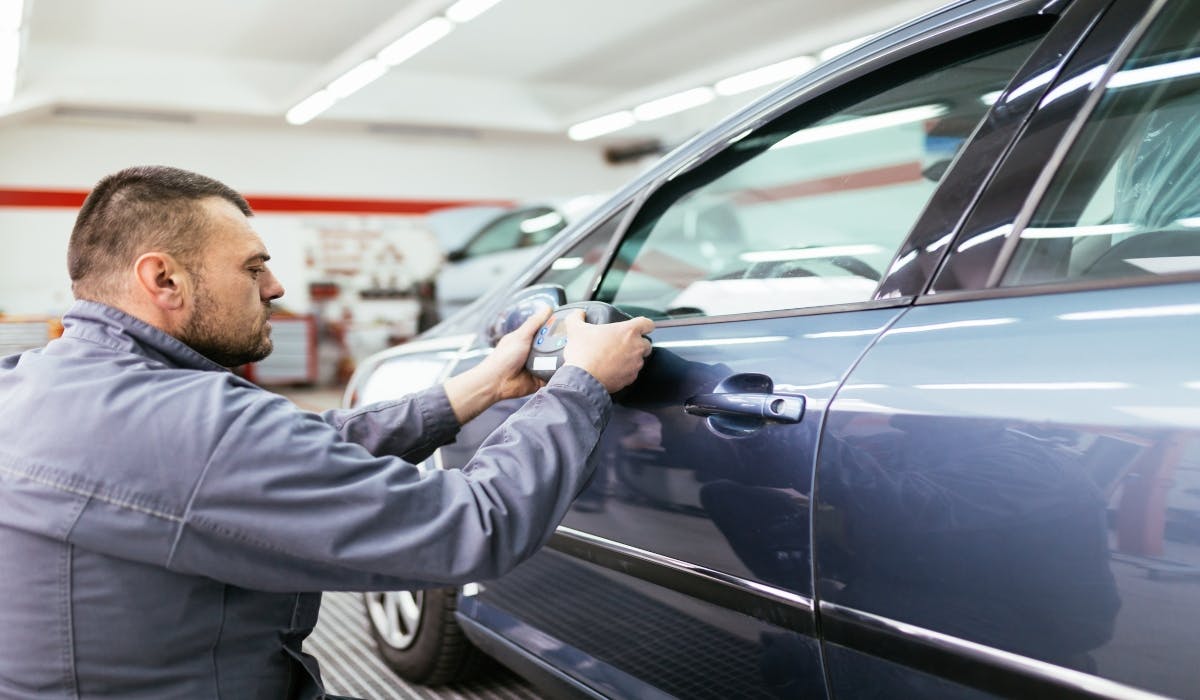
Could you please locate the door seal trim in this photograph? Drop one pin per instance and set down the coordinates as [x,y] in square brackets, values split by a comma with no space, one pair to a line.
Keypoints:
[762,601]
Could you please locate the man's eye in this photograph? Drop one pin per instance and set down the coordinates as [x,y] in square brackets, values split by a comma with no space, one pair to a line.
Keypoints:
[255,271]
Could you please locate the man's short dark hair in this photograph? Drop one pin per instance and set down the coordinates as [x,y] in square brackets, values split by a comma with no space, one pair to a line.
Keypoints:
[135,211]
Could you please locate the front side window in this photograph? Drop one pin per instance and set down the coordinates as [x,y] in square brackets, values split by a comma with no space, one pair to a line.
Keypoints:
[810,210]
[575,269]
[1126,201]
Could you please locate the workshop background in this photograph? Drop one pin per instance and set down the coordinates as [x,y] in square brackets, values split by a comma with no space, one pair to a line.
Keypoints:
[504,105]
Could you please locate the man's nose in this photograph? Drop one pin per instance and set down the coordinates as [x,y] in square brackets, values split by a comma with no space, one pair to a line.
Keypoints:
[271,289]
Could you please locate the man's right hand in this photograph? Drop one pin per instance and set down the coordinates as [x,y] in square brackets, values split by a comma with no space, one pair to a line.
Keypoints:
[613,353]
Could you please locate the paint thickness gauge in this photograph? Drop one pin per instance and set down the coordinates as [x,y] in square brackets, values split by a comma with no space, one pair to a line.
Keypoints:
[546,352]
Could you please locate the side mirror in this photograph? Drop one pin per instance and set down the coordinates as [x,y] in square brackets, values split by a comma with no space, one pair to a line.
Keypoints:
[456,255]
[521,306]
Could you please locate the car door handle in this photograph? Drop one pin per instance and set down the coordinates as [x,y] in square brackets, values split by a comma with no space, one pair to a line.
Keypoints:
[773,407]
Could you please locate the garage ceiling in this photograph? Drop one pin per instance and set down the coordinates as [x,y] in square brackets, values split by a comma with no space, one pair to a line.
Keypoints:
[525,66]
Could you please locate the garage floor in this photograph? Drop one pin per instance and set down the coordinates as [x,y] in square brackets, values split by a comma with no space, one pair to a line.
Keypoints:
[350,667]
[344,646]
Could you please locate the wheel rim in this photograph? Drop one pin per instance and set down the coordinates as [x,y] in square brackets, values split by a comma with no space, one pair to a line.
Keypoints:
[396,616]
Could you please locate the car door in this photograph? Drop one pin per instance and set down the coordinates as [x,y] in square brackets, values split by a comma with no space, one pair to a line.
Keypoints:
[684,568]
[1007,482]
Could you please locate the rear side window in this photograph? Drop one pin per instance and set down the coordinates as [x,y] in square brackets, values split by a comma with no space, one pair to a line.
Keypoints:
[1126,201]
[810,210]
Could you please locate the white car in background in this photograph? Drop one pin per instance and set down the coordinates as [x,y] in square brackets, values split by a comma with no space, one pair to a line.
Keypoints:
[483,245]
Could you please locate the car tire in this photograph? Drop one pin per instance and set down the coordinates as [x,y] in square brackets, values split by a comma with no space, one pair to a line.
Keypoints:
[418,638]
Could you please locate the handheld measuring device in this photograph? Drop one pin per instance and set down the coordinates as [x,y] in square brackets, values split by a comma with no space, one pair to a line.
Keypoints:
[546,352]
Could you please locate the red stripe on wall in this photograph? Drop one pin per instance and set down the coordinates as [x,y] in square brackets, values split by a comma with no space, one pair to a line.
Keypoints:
[321,205]
[73,199]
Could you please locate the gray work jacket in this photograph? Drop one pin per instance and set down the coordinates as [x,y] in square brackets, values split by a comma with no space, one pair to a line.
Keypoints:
[160,517]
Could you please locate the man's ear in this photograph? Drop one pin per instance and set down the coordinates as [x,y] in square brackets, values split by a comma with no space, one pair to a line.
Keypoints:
[161,280]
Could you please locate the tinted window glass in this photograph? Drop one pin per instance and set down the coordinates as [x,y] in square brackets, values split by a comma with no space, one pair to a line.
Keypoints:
[520,229]
[810,210]
[575,269]
[1126,201]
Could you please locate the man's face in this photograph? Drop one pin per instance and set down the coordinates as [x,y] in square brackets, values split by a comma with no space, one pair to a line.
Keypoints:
[232,291]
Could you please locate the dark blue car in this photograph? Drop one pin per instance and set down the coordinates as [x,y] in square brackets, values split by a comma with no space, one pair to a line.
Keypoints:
[959,271]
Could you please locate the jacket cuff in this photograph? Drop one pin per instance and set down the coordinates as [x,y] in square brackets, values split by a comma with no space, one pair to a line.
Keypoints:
[580,380]
[438,424]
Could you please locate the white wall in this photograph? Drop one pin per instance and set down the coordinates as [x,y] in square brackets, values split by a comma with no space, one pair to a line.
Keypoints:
[313,161]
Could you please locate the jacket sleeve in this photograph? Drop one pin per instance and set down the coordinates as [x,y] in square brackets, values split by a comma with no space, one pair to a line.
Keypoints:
[285,504]
[410,428]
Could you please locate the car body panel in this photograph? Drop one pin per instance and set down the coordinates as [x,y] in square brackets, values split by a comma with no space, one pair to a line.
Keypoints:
[997,483]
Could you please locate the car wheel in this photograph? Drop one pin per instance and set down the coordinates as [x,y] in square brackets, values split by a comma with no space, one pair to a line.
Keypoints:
[418,638]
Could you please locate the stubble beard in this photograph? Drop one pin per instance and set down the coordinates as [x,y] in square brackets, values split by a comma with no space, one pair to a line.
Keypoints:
[206,333]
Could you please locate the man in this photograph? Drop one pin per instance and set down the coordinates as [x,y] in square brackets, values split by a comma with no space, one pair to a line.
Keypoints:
[161,518]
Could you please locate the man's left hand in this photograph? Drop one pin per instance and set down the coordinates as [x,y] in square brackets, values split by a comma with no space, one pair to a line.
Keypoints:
[502,375]
[507,361]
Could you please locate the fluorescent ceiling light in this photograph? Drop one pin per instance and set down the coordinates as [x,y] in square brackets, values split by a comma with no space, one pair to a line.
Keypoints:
[998,232]
[1138,312]
[467,10]
[541,223]
[1032,84]
[939,243]
[831,251]
[665,106]
[1078,231]
[1087,80]
[601,126]
[11,12]
[563,264]
[948,325]
[861,125]
[765,75]
[1027,386]
[1167,265]
[357,78]
[1151,74]
[839,49]
[310,107]
[415,41]
[989,98]
[713,342]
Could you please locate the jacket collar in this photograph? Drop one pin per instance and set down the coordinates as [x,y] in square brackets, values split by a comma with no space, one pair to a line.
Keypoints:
[113,328]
